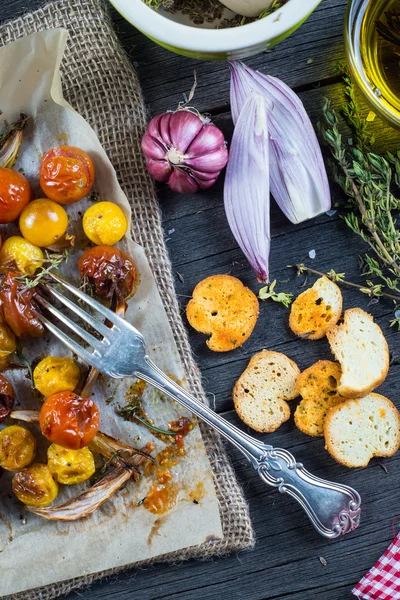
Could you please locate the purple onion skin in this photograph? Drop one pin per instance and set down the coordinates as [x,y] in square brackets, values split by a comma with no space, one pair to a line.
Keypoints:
[183,151]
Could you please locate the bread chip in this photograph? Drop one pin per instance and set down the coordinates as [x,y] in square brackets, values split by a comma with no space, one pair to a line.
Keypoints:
[225,309]
[316,310]
[317,385]
[357,430]
[361,348]
[261,391]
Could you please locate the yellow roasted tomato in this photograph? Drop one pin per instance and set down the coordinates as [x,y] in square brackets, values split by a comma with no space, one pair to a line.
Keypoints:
[104,223]
[17,448]
[43,222]
[7,341]
[35,485]
[17,253]
[70,466]
[55,374]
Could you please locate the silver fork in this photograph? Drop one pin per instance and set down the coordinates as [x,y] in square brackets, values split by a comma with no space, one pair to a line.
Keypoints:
[333,509]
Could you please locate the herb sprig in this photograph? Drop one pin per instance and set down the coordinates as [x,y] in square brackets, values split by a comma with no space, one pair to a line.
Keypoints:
[369,181]
[268,292]
[53,261]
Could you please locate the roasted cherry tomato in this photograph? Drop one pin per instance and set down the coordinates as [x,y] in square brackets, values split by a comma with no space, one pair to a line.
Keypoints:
[7,396]
[66,174]
[7,341]
[69,420]
[16,307]
[43,222]
[21,255]
[17,448]
[15,193]
[35,485]
[104,223]
[55,374]
[70,466]
[108,271]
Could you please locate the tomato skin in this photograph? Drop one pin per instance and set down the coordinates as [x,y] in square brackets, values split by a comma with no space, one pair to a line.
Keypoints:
[66,174]
[69,420]
[43,222]
[7,396]
[15,193]
[17,309]
[108,271]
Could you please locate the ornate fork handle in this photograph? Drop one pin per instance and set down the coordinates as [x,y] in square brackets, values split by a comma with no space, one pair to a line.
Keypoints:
[332,508]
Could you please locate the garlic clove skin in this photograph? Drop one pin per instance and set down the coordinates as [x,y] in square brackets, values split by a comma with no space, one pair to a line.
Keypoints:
[210,137]
[180,181]
[248,8]
[184,126]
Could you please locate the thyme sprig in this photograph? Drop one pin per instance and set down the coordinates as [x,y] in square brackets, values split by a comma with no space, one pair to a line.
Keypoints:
[53,261]
[369,181]
[131,412]
[268,292]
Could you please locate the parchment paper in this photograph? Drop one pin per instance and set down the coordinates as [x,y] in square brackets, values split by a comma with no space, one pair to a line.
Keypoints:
[35,552]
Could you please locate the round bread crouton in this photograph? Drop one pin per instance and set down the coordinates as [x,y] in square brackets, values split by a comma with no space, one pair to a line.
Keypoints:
[225,309]
[261,391]
[316,310]
[361,348]
[357,430]
[317,385]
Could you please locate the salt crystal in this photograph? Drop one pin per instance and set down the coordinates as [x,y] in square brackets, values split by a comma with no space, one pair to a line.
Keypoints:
[312,254]
[330,213]
[171,231]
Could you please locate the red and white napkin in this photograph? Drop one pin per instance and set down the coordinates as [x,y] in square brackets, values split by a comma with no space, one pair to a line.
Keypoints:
[382,582]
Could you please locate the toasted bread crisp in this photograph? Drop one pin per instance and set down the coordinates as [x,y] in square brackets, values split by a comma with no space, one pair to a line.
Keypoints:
[316,310]
[261,391]
[357,430]
[317,385]
[225,309]
[361,348]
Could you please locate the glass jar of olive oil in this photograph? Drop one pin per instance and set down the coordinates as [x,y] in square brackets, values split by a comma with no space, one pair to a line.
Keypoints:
[372,38]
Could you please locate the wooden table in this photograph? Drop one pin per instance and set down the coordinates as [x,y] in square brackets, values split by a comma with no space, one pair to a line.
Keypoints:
[290,561]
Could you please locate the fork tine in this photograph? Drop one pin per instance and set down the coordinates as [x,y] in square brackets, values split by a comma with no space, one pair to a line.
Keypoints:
[85,335]
[91,359]
[105,331]
[106,312]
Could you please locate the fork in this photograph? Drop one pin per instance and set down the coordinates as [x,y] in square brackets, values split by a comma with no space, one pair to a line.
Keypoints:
[119,351]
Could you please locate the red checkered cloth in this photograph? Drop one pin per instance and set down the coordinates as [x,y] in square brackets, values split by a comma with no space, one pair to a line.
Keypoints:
[382,582]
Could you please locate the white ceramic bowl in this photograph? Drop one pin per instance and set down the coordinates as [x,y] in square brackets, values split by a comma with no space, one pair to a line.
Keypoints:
[215,44]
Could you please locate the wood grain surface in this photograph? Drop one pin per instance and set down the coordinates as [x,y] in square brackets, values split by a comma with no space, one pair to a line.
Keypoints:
[288,561]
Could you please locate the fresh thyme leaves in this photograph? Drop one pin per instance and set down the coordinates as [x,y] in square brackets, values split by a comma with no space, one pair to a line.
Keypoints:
[53,261]
[208,11]
[26,362]
[268,292]
[368,179]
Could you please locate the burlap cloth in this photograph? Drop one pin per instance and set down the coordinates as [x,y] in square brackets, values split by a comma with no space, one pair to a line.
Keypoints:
[100,83]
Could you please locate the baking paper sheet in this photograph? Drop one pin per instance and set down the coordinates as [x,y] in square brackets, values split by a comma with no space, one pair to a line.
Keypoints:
[35,552]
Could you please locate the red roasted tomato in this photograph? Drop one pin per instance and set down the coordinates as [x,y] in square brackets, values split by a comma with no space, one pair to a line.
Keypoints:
[69,420]
[66,174]
[17,309]
[15,193]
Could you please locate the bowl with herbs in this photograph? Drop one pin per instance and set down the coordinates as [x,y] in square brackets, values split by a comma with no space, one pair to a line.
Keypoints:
[214,30]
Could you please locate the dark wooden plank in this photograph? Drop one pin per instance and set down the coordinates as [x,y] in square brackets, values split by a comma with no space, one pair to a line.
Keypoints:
[165,76]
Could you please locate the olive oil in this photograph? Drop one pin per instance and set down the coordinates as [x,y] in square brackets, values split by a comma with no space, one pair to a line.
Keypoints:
[380,51]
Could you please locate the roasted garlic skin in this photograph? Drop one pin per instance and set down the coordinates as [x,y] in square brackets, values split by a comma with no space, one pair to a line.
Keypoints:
[35,485]
[70,466]
[17,448]
[7,397]
[108,271]
[16,307]
[56,374]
